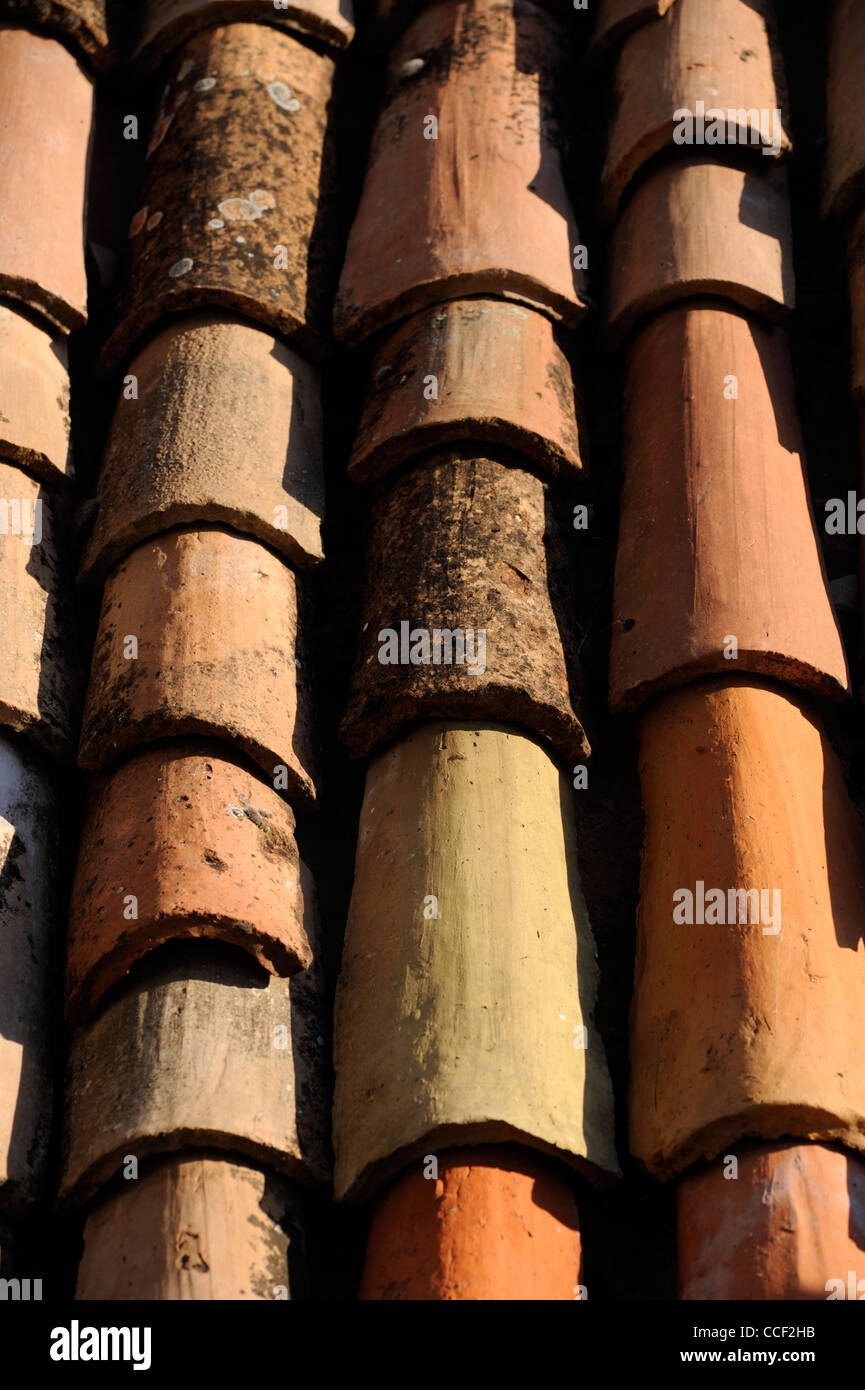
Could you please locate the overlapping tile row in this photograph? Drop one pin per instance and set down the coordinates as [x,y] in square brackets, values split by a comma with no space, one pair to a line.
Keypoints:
[750,962]
[470,1077]
[844,195]
[197,1096]
[46,106]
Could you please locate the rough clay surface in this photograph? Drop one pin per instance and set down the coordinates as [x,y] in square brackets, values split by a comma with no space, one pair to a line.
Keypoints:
[695,228]
[716,532]
[742,791]
[465,542]
[497,1223]
[193,1229]
[46,105]
[480,369]
[202,1054]
[202,848]
[719,52]
[235,209]
[481,209]
[792,1220]
[215,618]
[465,985]
[248,455]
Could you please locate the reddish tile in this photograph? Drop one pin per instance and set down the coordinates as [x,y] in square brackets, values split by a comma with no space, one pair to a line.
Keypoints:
[464,1005]
[746,1027]
[249,454]
[236,205]
[482,208]
[718,52]
[478,369]
[215,619]
[193,1229]
[200,1054]
[81,22]
[716,534]
[34,398]
[29,946]
[618,18]
[165,24]
[790,1222]
[694,228]
[46,104]
[856,256]
[40,681]
[845,144]
[463,542]
[496,1223]
[196,846]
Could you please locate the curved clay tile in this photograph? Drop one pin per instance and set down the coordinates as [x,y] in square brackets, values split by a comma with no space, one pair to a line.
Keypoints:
[787,1223]
[618,18]
[193,1229]
[199,634]
[464,1011]
[46,103]
[201,1054]
[40,678]
[181,842]
[845,144]
[717,52]
[716,534]
[34,398]
[476,205]
[479,369]
[743,794]
[82,22]
[465,545]
[856,257]
[29,944]
[695,228]
[235,209]
[249,454]
[496,1222]
[165,24]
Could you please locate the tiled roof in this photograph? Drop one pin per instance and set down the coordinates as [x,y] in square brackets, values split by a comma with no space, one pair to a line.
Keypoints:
[426,415]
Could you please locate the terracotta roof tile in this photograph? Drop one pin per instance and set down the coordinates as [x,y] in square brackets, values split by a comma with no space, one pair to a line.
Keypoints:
[471,829]
[82,22]
[716,535]
[618,18]
[40,677]
[742,791]
[182,841]
[165,24]
[222,222]
[29,913]
[695,228]
[199,634]
[34,398]
[845,149]
[200,1055]
[46,104]
[482,207]
[793,1220]
[249,455]
[481,369]
[193,1229]
[717,52]
[499,588]
[497,1222]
